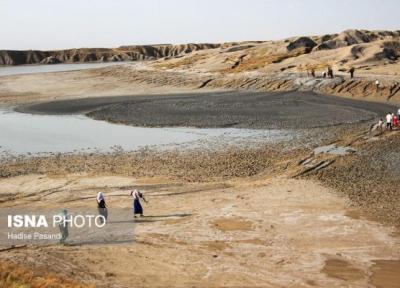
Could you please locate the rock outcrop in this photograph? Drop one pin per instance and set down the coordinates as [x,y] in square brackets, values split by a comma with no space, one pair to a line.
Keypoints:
[352,37]
[50,60]
[302,42]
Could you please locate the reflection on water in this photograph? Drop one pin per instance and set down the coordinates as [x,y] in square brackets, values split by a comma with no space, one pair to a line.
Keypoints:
[27,69]
[25,133]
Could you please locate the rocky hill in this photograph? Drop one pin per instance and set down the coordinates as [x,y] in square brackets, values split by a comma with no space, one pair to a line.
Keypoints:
[123,53]
[364,50]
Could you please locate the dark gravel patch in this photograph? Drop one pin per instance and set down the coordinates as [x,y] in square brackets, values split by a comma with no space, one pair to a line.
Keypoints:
[195,165]
[257,110]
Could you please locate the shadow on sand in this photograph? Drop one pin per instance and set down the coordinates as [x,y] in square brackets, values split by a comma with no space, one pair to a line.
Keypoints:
[145,219]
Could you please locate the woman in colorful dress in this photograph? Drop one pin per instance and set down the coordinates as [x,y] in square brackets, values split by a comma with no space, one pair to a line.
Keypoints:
[395,121]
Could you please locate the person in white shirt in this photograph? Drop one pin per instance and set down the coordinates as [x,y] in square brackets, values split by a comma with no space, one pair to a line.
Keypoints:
[377,84]
[398,114]
[378,126]
[389,122]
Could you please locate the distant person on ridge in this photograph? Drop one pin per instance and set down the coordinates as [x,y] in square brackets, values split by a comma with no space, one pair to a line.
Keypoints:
[395,121]
[351,71]
[378,126]
[377,84]
[330,72]
[389,120]
[393,87]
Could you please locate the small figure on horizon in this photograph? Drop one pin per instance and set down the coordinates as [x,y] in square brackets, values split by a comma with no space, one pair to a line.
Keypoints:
[395,120]
[330,72]
[351,71]
[136,205]
[389,121]
[398,113]
[313,72]
[63,226]
[102,207]
[378,126]
[393,87]
[377,84]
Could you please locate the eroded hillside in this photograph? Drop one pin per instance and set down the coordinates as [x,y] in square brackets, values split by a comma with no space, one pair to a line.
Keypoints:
[123,53]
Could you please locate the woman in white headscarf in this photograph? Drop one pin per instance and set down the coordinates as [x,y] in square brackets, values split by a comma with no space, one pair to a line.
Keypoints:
[101,206]
[136,206]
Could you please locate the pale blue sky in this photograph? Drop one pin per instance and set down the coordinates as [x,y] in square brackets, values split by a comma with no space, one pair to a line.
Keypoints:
[56,24]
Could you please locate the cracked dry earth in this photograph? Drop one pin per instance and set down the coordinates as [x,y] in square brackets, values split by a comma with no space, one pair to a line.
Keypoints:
[266,232]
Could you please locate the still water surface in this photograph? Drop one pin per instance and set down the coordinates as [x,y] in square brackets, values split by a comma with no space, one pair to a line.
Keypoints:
[22,133]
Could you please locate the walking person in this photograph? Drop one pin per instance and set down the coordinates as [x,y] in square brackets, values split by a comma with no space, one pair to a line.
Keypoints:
[63,226]
[102,207]
[351,71]
[380,125]
[395,121]
[398,114]
[330,72]
[389,122]
[136,205]
[393,87]
[377,84]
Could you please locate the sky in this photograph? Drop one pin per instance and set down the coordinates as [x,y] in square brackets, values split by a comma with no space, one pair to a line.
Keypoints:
[57,24]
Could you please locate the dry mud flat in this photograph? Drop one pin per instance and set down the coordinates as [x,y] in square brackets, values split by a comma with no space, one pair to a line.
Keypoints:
[283,110]
[260,232]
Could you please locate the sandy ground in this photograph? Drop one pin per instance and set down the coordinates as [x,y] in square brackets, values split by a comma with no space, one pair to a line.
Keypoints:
[260,232]
[28,88]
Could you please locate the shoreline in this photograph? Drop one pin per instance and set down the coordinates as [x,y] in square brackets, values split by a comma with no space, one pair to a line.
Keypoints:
[243,163]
